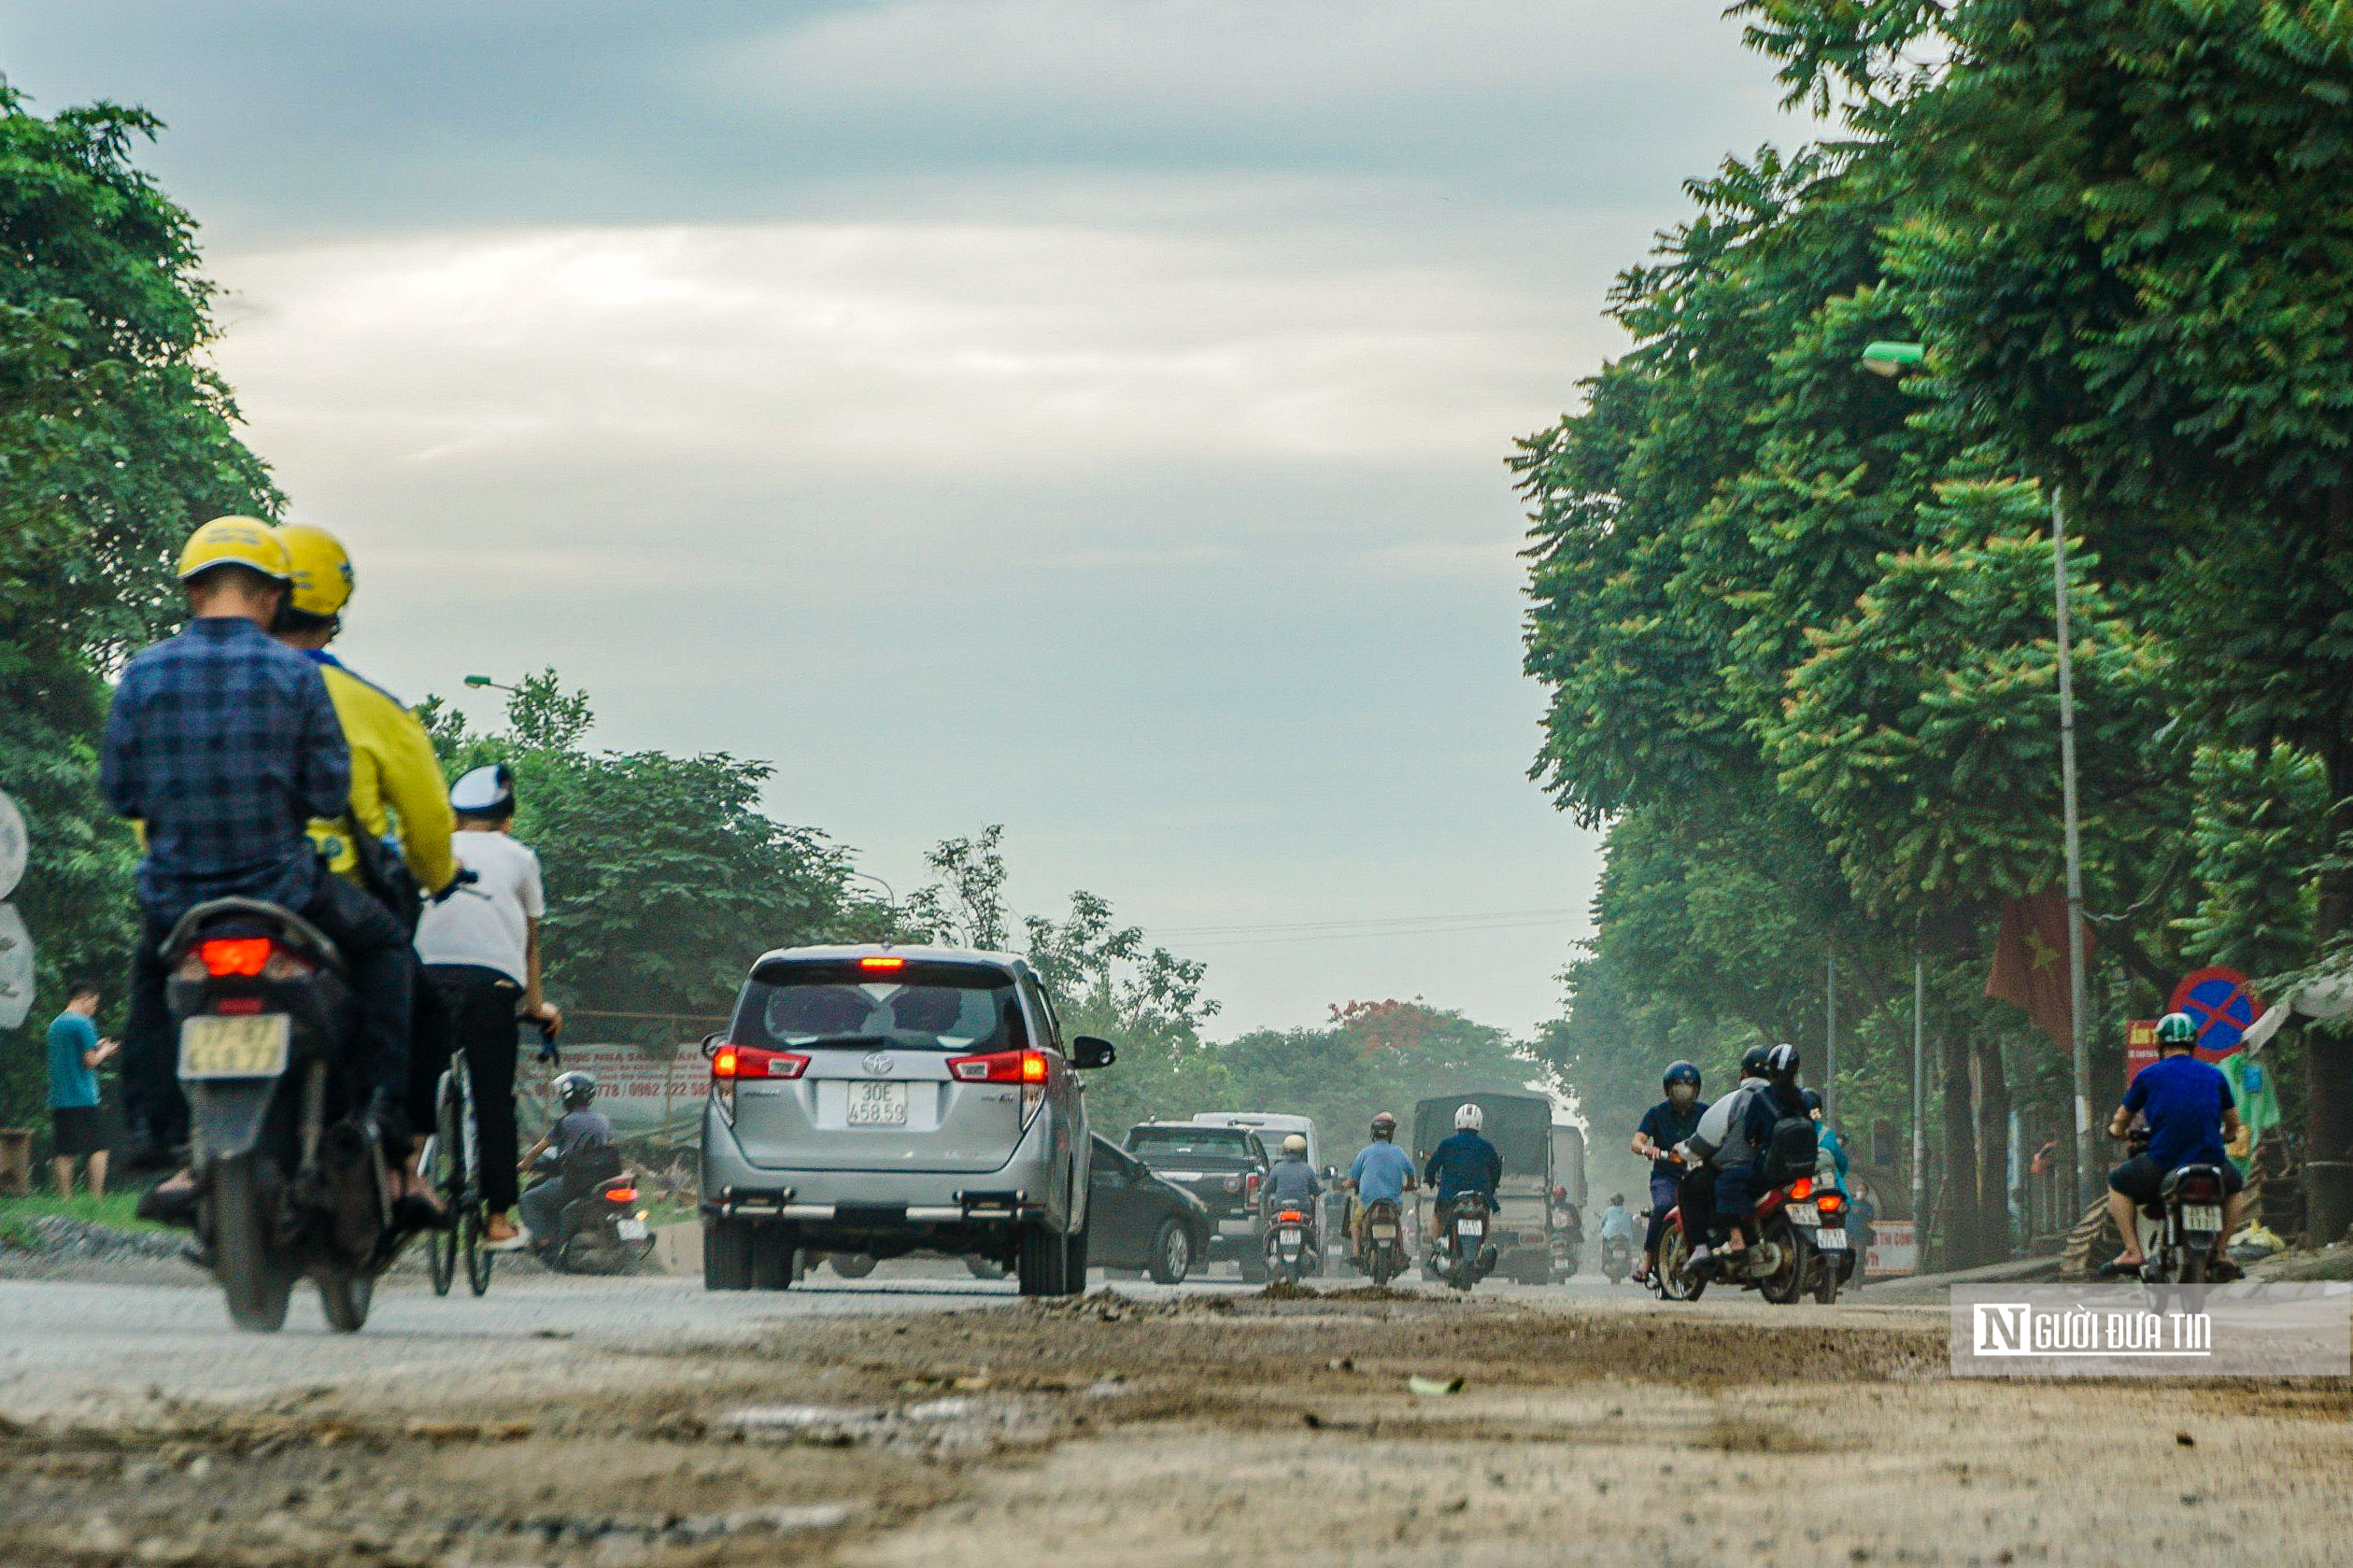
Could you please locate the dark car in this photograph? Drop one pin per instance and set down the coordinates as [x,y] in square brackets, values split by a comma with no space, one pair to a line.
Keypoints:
[1225,1168]
[1137,1220]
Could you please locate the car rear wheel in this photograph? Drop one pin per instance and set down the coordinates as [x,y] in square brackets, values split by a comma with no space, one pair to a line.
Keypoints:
[1172,1253]
[1046,1257]
[726,1255]
[852,1266]
[772,1258]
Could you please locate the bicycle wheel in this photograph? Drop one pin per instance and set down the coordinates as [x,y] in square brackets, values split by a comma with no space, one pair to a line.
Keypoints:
[445,1165]
[478,1257]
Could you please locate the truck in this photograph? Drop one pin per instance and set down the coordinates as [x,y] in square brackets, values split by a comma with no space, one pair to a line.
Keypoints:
[1520,1128]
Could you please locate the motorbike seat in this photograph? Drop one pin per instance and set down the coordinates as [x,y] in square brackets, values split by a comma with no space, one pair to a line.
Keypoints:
[2196,1176]
[241,916]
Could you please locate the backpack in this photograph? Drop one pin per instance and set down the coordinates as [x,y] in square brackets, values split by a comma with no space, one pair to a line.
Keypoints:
[1795,1146]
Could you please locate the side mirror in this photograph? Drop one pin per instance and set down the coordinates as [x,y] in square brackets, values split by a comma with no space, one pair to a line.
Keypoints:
[711,1042]
[1092,1051]
[1331,1173]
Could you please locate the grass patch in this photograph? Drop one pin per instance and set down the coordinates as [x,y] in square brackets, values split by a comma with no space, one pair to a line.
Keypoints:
[117,1211]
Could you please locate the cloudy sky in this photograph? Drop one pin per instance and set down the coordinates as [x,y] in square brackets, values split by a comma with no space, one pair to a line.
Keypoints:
[1083,414]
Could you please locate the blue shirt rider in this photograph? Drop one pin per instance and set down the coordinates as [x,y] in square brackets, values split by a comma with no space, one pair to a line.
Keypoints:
[1465,1162]
[1380,1174]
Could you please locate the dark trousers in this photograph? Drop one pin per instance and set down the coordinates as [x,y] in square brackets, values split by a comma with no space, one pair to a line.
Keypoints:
[1736,1193]
[1697,1198]
[1663,1198]
[481,1004]
[381,965]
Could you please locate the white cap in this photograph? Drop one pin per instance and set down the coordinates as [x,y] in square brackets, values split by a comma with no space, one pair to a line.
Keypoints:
[487,791]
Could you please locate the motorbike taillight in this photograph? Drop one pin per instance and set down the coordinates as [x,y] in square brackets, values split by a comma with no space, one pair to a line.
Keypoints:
[223,956]
[1290,1216]
[2199,1189]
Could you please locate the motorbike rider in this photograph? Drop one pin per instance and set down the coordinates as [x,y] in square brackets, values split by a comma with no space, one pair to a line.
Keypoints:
[1664,1125]
[1742,1159]
[1462,1165]
[1382,1171]
[1702,1164]
[1291,1183]
[2190,1114]
[1617,1224]
[223,745]
[481,949]
[393,839]
[577,1137]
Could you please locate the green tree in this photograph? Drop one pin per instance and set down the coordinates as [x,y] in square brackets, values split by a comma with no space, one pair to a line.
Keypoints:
[115,442]
[665,877]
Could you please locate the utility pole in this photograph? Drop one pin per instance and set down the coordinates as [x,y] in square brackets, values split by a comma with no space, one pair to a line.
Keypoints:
[2075,854]
[1830,1038]
[1920,1106]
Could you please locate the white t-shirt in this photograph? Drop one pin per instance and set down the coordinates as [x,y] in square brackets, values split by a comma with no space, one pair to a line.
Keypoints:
[486,920]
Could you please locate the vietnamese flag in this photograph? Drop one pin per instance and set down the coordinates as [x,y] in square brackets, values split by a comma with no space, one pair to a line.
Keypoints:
[2030,963]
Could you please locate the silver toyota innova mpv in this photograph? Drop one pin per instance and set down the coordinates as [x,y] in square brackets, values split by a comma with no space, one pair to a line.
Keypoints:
[889,1100]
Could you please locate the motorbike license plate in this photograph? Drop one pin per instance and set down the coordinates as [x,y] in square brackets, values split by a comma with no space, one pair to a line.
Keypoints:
[1384,1233]
[630,1230]
[1471,1227]
[1831,1241]
[1290,1236]
[250,1045]
[877,1103]
[1804,1214]
[2200,1217]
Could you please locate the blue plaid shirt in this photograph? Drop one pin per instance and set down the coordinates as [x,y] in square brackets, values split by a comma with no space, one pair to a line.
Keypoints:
[224,743]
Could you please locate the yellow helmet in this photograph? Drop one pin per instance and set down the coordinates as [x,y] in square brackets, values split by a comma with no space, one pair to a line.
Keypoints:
[319,567]
[247,541]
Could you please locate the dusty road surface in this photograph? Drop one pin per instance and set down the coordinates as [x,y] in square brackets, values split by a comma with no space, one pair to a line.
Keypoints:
[931,1421]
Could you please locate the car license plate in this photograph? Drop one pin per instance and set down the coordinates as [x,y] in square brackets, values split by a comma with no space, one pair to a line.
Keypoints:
[877,1103]
[1831,1241]
[1471,1227]
[1384,1233]
[1235,1227]
[251,1045]
[630,1230]
[2200,1217]
[1804,1214]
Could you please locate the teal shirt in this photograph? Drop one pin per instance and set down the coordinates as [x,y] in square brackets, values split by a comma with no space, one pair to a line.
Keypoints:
[71,1084]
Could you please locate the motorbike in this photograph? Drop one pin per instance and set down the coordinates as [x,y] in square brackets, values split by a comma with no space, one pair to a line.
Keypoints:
[1289,1242]
[1383,1256]
[291,1179]
[2178,1231]
[1799,1231]
[602,1231]
[1617,1258]
[1463,1255]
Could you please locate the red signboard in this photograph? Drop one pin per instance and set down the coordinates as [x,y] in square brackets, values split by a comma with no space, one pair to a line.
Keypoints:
[2140,1047]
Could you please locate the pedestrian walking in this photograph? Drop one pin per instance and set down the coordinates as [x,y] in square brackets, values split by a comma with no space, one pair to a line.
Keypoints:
[74,1053]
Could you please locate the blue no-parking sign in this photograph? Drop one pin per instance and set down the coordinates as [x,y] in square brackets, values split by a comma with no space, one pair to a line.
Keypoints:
[2222,1006]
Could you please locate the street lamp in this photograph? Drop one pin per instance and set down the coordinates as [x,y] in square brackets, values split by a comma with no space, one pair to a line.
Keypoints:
[1894,359]
[486,681]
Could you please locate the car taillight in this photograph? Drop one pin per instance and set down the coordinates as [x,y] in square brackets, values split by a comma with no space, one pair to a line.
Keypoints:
[234,955]
[1802,1189]
[731,1063]
[743,1061]
[1252,1182]
[1029,1068]
[1001,1067]
[620,1194]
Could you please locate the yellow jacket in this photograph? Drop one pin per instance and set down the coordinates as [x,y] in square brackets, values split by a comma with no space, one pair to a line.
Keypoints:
[394,773]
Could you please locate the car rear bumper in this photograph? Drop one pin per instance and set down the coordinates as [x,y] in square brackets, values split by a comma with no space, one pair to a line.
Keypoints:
[898,1210]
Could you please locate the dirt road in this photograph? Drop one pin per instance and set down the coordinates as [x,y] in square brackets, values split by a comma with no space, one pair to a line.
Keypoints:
[919,1422]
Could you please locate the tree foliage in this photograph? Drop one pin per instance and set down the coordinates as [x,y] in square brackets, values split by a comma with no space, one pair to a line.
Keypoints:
[115,442]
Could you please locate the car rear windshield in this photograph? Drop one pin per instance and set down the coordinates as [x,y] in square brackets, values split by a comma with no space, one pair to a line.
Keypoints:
[1190,1143]
[932,1007]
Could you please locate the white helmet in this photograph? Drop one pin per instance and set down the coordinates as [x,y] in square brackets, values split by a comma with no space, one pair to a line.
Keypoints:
[1469,1119]
[1295,1144]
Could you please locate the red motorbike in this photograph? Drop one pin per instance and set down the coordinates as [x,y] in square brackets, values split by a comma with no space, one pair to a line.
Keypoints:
[1797,1232]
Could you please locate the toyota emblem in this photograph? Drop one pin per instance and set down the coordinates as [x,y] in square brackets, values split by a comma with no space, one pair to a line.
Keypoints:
[878,1063]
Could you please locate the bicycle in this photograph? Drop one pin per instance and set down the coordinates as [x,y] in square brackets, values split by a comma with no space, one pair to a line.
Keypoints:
[452,1162]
